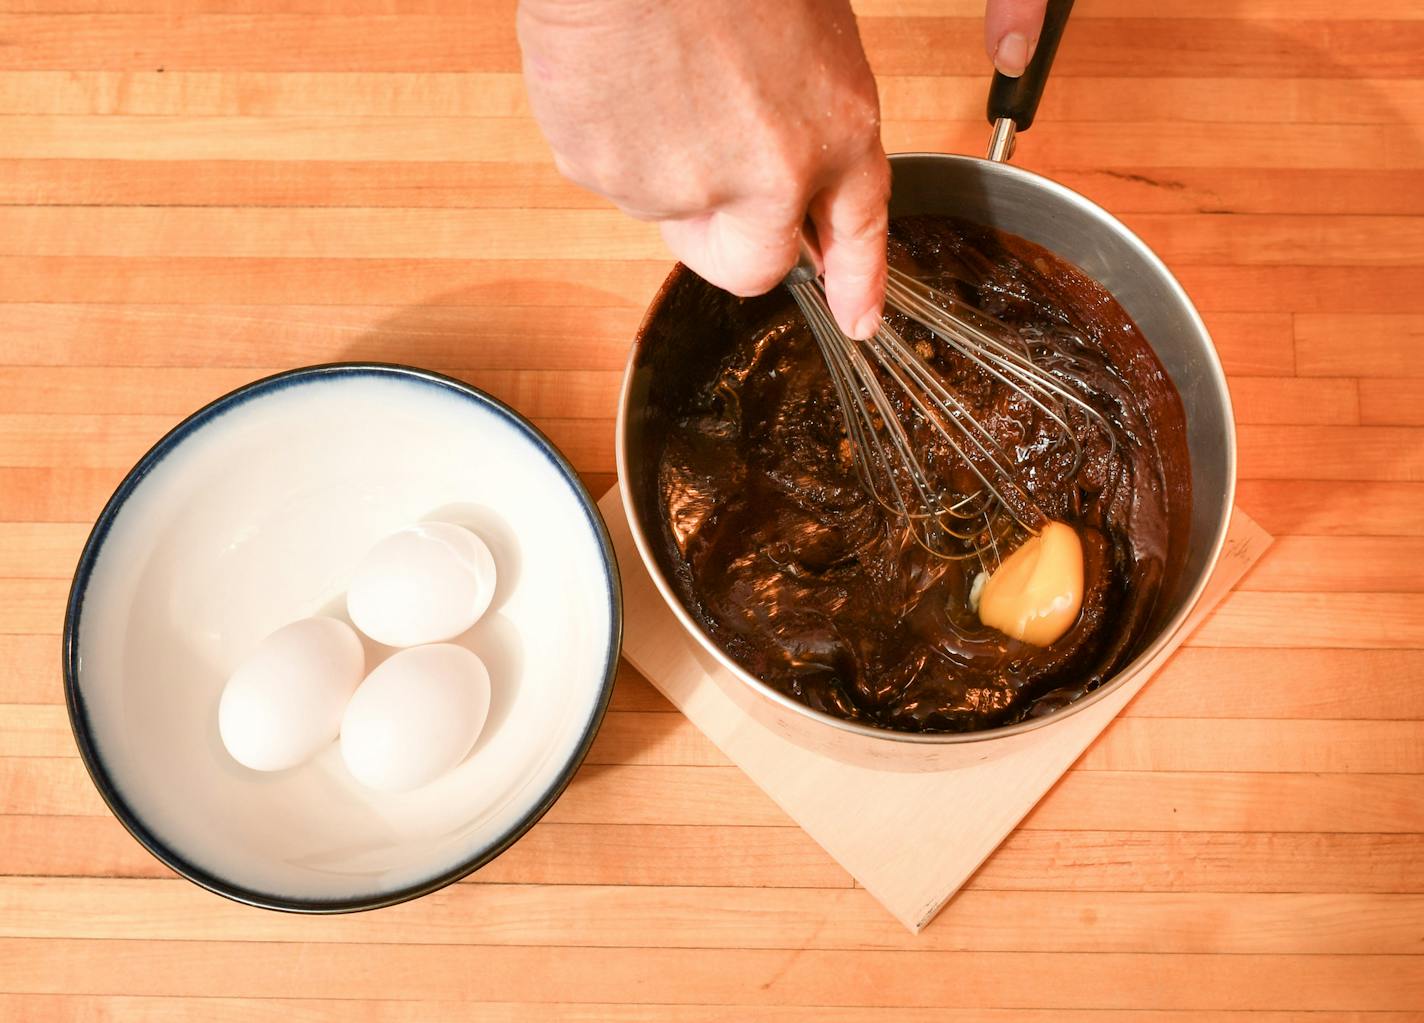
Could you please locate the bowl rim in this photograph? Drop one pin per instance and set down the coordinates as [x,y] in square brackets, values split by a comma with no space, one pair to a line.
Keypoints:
[93,546]
[928,742]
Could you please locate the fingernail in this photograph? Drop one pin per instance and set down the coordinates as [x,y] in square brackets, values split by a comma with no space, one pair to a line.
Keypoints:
[866,326]
[1011,55]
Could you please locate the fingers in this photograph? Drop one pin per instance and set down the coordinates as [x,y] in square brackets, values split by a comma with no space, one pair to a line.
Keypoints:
[1011,29]
[747,248]
[851,218]
[740,249]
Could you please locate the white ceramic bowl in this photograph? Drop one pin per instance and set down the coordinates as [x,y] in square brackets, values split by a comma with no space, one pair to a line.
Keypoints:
[254,512]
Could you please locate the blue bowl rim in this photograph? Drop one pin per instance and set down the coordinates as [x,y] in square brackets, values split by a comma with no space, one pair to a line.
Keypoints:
[74,699]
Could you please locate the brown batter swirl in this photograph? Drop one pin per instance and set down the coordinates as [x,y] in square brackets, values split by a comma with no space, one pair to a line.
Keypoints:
[815,589]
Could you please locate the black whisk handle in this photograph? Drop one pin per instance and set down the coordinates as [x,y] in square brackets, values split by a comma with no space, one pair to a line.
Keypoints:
[1017,98]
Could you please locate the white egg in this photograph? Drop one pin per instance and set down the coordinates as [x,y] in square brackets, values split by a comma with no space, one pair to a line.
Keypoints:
[415,717]
[425,584]
[284,703]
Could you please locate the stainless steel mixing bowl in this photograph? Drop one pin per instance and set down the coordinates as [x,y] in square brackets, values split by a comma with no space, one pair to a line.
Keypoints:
[689,320]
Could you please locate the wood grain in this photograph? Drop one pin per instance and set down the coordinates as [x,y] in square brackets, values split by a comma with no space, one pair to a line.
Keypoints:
[1304,290]
[1320,507]
[1084,800]
[1307,10]
[1393,564]
[438,337]
[730,918]
[1374,345]
[1285,684]
[461,41]
[1393,402]
[1296,402]
[489,233]
[725,976]
[455,184]
[64,1008]
[781,857]
[493,94]
[1350,454]
[657,738]
[194,195]
[1151,144]
[36,440]
[69,1008]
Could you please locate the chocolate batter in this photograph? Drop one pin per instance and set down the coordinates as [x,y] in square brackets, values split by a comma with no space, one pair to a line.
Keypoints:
[811,586]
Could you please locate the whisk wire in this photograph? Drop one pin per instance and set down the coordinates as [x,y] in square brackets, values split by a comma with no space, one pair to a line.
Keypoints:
[854,382]
[948,415]
[883,451]
[886,467]
[918,301]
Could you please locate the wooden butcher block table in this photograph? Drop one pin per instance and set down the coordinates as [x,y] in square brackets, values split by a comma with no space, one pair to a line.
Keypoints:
[194,195]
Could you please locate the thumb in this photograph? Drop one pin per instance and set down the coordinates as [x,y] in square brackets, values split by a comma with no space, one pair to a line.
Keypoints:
[736,250]
[1011,29]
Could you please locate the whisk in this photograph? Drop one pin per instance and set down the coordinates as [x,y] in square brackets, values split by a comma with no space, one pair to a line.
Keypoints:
[868,376]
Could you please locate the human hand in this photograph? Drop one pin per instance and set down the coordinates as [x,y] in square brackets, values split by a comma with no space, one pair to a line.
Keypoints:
[731,124]
[1011,29]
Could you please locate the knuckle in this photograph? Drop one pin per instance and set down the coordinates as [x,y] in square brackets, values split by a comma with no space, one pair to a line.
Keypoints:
[864,115]
[785,209]
[594,171]
[863,224]
[697,194]
[860,111]
[576,171]
[675,192]
[782,175]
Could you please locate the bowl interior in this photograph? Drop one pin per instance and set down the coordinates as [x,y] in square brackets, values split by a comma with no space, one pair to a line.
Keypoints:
[1082,233]
[682,337]
[254,514]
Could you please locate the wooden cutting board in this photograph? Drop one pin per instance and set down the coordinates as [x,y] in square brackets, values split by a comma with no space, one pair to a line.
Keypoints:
[910,839]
